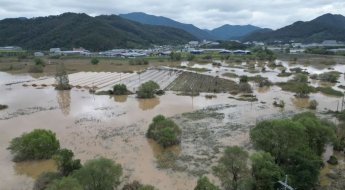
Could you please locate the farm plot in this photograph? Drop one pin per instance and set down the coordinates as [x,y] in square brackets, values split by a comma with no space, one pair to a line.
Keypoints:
[189,82]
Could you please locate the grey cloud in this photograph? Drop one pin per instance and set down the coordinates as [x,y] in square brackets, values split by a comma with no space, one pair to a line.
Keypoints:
[204,14]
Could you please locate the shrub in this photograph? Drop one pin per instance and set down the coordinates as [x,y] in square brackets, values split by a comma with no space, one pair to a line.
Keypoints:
[94,61]
[120,89]
[61,78]
[39,62]
[66,183]
[38,144]
[280,104]
[2,107]
[174,56]
[135,185]
[244,79]
[330,91]
[35,69]
[164,131]
[147,89]
[138,61]
[43,181]
[313,104]
[205,184]
[99,174]
[66,164]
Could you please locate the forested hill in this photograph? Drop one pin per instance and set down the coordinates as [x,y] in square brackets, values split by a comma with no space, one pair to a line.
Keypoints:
[70,30]
[325,27]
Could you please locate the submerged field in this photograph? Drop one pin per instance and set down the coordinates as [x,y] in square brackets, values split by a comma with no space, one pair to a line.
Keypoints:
[115,126]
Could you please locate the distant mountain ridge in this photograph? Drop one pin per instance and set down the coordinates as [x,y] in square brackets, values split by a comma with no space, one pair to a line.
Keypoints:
[225,32]
[70,30]
[163,21]
[325,27]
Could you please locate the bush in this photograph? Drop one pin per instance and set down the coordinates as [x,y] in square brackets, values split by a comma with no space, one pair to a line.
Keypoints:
[39,62]
[35,69]
[174,56]
[66,164]
[2,107]
[66,183]
[244,79]
[43,181]
[313,104]
[205,184]
[164,131]
[99,174]
[94,61]
[38,144]
[330,91]
[281,104]
[147,89]
[138,61]
[61,78]
[120,89]
[135,185]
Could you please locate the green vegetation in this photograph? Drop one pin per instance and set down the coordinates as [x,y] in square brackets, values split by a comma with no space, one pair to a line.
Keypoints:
[329,91]
[35,69]
[65,162]
[298,85]
[138,61]
[232,169]
[65,183]
[38,144]
[265,171]
[135,185]
[230,75]
[164,131]
[99,174]
[39,61]
[45,179]
[332,76]
[280,104]
[205,184]
[2,107]
[175,56]
[313,104]
[94,61]
[263,54]
[261,81]
[120,89]
[61,78]
[318,50]
[55,31]
[296,145]
[147,89]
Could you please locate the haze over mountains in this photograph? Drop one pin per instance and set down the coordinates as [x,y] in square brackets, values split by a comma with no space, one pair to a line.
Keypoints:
[139,30]
[225,32]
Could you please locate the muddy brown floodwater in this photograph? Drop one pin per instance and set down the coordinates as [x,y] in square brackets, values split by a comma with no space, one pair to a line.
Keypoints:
[114,127]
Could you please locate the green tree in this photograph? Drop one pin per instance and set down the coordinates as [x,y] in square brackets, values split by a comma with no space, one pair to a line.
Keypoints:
[175,56]
[319,133]
[46,178]
[120,89]
[205,184]
[99,174]
[147,89]
[66,183]
[94,61]
[232,168]
[135,185]
[66,164]
[264,170]
[39,62]
[164,131]
[38,144]
[61,78]
[278,137]
[299,77]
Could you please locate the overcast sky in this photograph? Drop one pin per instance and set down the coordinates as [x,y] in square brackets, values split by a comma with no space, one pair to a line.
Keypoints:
[202,13]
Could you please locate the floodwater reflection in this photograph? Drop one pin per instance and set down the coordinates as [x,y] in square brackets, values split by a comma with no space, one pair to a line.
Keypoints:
[64,101]
[35,168]
[148,104]
[121,99]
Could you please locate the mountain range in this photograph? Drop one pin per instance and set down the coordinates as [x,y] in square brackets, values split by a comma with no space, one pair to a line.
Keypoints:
[225,32]
[70,30]
[325,27]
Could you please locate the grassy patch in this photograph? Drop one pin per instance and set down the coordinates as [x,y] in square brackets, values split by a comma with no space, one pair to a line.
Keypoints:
[230,75]
[329,91]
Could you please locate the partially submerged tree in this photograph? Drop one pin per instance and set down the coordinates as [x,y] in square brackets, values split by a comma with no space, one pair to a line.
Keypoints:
[65,183]
[147,89]
[135,185]
[205,184]
[99,174]
[120,89]
[45,179]
[61,77]
[38,144]
[164,131]
[65,162]
[232,168]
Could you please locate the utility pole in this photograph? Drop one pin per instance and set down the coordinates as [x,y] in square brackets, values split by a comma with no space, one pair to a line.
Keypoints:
[285,184]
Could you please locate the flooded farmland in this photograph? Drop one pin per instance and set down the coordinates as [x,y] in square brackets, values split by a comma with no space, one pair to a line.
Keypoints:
[115,126]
